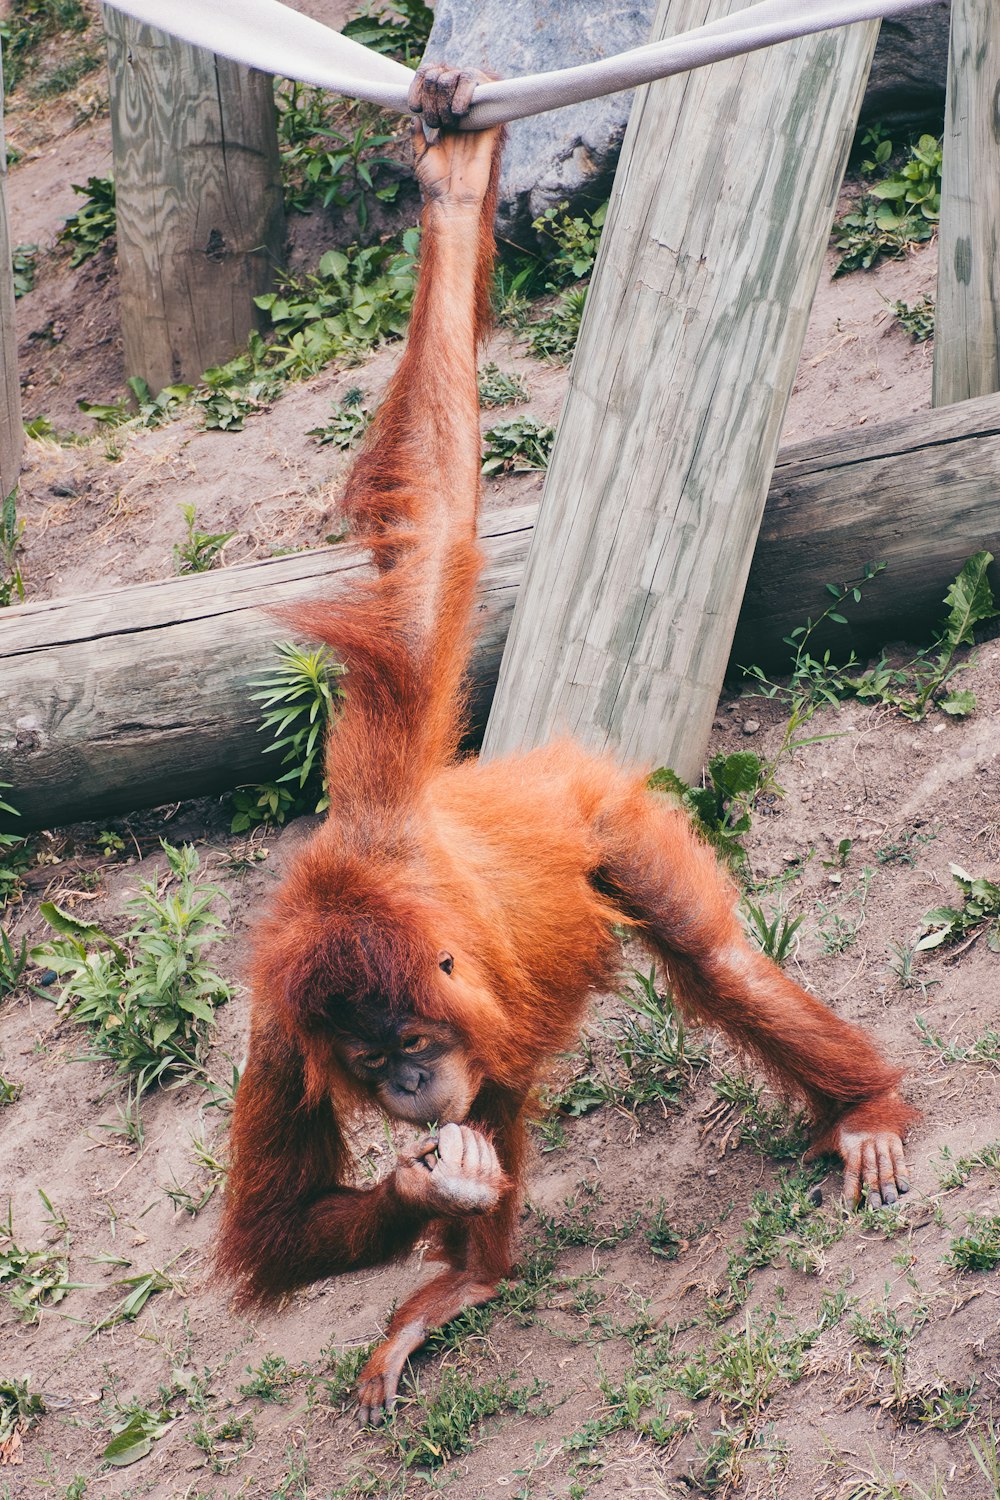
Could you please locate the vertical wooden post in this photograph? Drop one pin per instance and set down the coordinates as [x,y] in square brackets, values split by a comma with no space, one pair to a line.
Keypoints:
[11,429]
[200,212]
[967,325]
[711,254]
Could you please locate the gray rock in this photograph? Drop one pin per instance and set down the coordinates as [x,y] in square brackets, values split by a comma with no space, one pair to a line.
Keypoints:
[906,85]
[570,154]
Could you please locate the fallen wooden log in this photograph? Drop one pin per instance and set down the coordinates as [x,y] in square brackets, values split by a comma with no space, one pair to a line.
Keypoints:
[139,696]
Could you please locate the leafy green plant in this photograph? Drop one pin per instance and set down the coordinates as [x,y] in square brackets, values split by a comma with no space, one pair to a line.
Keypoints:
[980,909]
[570,242]
[517,446]
[139,1289]
[13,962]
[898,211]
[398,30]
[776,938]
[20,1408]
[135,1431]
[769,1127]
[782,1223]
[9,1092]
[445,1422]
[721,809]
[147,998]
[979,1248]
[227,1442]
[298,699]
[661,1237]
[342,168]
[225,408]
[31,1280]
[348,424]
[88,229]
[271,1380]
[23,259]
[11,532]
[554,336]
[200,549]
[500,388]
[356,299]
[918,320]
[15,856]
[985,1049]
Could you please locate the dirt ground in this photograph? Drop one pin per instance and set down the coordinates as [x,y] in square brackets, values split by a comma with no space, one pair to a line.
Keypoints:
[852,1360]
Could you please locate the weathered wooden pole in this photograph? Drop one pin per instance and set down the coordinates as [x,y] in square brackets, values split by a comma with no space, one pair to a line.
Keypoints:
[967,324]
[11,429]
[710,257]
[200,212]
[117,700]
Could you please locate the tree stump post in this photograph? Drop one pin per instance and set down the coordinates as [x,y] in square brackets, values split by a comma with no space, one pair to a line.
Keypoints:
[11,428]
[199,203]
[710,256]
[967,323]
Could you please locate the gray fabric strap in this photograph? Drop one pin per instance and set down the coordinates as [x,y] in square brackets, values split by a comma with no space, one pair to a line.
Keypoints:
[268,35]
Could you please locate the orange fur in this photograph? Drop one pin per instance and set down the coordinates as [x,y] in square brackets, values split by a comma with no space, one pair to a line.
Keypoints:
[519,869]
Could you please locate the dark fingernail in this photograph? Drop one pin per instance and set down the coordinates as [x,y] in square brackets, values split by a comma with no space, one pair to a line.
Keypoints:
[816,1197]
[902,1184]
[889,1196]
[874,1200]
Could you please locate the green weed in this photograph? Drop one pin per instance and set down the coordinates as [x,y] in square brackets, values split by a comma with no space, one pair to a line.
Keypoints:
[93,224]
[20,1408]
[897,211]
[783,1223]
[13,962]
[579,1224]
[9,1092]
[23,260]
[225,1443]
[298,699]
[517,446]
[661,1237]
[500,388]
[986,1049]
[28,24]
[443,1426]
[769,1127]
[136,1428]
[399,30]
[917,320]
[979,911]
[554,336]
[149,997]
[225,408]
[569,243]
[346,169]
[841,920]
[31,1280]
[271,1380]
[200,549]
[11,532]
[956,1171]
[348,423]
[15,856]
[138,1290]
[67,74]
[775,938]
[721,808]
[979,1248]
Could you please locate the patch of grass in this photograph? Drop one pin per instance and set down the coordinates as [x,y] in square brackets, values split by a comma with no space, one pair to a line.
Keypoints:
[841,920]
[13,962]
[770,1128]
[955,1171]
[213,1175]
[897,211]
[776,938]
[783,1223]
[271,1380]
[29,23]
[652,1058]
[903,850]
[887,1333]
[298,699]
[579,1223]
[348,423]
[745,1369]
[942,1406]
[980,910]
[342,1372]
[93,224]
[11,532]
[554,336]
[23,262]
[984,1050]
[443,1426]
[200,549]
[979,1248]
[15,856]
[147,998]
[661,1236]
[225,1442]
[500,388]
[517,446]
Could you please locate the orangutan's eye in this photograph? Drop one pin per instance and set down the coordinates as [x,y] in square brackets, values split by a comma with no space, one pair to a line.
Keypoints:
[374,1060]
[445,961]
[413,1043]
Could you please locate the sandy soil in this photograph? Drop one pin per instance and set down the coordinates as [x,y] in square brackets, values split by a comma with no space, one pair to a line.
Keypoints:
[850,1418]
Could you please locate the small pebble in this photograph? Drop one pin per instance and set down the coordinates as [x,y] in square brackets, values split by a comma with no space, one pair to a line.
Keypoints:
[751,726]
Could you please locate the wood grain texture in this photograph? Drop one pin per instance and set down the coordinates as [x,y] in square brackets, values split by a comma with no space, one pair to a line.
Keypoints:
[140,695]
[709,260]
[200,212]
[11,429]
[967,325]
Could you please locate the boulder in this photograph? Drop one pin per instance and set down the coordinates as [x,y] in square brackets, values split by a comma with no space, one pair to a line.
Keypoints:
[571,154]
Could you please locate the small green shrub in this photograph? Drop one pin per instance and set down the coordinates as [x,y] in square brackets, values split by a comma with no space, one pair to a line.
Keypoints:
[298,699]
[29,23]
[980,908]
[200,549]
[898,211]
[570,242]
[23,260]
[31,1279]
[398,30]
[499,388]
[348,423]
[554,336]
[979,1248]
[11,532]
[148,998]
[918,320]
[88,229]
[15,854]
[721,809]
[517,446]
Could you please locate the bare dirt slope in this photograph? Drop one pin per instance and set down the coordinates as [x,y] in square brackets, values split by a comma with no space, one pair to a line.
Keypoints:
[688,1320]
